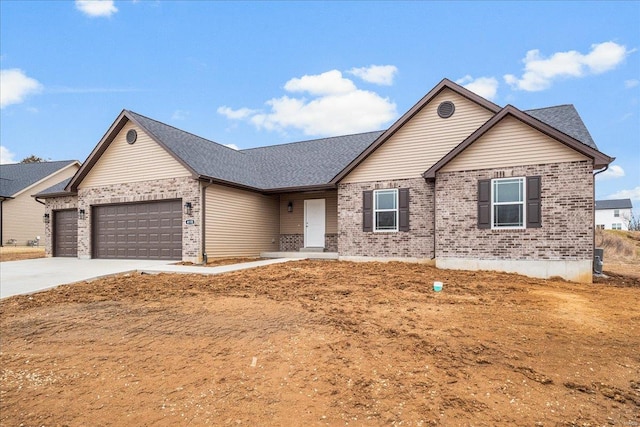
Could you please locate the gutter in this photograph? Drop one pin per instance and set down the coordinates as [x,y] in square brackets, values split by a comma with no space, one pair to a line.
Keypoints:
[39,201]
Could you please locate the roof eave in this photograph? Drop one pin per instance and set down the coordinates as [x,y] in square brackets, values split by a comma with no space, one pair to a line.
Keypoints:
[54,195]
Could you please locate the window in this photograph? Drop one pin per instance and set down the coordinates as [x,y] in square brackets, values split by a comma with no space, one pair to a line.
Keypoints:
[616,213]
[507,203]
[616,226]
[600,227]
[385,210]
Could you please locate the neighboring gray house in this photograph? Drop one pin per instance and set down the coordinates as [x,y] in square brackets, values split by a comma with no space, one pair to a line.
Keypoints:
[613,214]
[21,216]
[457,181]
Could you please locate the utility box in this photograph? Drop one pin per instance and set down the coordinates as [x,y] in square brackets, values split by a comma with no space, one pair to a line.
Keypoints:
[598,260]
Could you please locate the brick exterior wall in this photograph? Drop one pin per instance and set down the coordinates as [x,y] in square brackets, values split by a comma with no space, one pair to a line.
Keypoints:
[416,243]
[567,216]
[184,188]
[294,242]
[54,204]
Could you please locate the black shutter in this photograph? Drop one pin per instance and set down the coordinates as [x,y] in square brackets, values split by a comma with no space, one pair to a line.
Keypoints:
[534,207]
[403,209]
[367,211]
[484,203]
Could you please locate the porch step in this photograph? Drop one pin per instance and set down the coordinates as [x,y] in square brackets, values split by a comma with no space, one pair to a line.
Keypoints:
[311,249]
[300,255]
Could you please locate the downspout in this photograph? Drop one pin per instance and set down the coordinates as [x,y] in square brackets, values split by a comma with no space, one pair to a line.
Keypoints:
[593,215]
[1,222]
[39,201]
[203,208]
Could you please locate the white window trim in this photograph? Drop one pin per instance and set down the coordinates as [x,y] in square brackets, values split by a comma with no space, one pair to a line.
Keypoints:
[376,210]
[523,203]
[616,213]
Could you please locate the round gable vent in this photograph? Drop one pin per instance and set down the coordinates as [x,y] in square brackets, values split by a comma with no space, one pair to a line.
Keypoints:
[132,135]
[446,109]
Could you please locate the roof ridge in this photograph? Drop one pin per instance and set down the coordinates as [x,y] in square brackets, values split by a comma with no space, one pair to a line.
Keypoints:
[551,106]
[181,130]
[312,140]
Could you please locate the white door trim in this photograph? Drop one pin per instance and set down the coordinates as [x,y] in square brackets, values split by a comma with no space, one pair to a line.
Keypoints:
[314,223]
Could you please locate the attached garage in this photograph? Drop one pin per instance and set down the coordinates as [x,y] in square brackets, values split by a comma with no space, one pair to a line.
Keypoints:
[65,233]
[150,230]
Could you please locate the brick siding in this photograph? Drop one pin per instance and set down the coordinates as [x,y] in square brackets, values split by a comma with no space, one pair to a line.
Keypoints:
[294,242]
[415,243]
[184,188]
[567,216]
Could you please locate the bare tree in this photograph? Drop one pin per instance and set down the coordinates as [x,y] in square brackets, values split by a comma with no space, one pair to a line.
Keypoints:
[32,159]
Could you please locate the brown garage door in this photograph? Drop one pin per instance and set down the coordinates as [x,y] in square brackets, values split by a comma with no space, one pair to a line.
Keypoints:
[138,230]
[65,233]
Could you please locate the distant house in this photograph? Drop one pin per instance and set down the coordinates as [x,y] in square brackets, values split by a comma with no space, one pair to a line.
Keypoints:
[613,214]
[457,181]
[21,216]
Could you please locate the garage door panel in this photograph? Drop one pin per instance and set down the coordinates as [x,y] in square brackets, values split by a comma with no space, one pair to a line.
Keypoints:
[65,233]
[150,230]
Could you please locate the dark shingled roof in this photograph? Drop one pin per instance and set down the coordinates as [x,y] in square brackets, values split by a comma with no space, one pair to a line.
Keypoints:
[298,164]
[566,119]
[56,190]
[613,204]
[304,164]
[308,163]
[18,176]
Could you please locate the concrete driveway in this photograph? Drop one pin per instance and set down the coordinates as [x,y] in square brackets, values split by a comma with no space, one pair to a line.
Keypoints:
[32,275]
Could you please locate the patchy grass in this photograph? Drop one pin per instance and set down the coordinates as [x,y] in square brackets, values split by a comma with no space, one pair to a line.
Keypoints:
[17,253]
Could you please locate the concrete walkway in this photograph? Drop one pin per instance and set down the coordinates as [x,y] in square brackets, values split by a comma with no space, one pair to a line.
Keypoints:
[34,275]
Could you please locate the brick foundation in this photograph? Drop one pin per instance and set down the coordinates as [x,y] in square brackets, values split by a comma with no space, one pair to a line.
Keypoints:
[294,242]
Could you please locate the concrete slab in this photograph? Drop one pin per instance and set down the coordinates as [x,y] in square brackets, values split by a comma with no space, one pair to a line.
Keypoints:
[34,275]
[300,255]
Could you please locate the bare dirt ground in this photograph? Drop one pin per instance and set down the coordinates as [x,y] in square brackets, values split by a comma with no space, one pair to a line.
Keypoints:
[323,343]
[17,253]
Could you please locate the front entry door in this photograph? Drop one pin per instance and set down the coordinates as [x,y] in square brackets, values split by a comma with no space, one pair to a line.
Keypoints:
[314,223]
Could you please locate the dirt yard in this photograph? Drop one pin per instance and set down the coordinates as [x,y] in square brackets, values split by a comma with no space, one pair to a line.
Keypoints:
[323,343]
[17,253]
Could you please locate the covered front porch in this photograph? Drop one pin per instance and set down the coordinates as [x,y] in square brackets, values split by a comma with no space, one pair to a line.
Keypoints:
[309,223]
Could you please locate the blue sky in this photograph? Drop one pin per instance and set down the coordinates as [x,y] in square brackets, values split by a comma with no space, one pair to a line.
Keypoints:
[260,73]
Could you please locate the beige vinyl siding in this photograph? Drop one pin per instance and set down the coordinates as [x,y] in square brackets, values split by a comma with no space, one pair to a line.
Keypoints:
[422,141]
[293,222]
[512,143]
[124,163]
[240,223]
[22,216]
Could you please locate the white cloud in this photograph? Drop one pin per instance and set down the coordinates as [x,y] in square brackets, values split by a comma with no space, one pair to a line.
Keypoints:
[179,115]
[239,114]
[633,194]
[6,156]
[329,83]
[631,83]
[378,74]
[233,146]
[96,8]
[15,86]
[540,72]
[613,172]
[487,87]
[336,106]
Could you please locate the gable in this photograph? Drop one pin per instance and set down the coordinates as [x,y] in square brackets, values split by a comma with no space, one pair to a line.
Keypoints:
[143,160]
[512,143]
[422,141]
